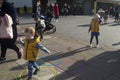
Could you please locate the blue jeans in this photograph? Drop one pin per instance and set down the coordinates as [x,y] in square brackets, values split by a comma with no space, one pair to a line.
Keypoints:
[94,34]
[31,65]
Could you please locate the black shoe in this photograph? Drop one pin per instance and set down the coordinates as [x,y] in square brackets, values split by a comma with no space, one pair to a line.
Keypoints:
[20,53]
[36,71]
[2,60]
[30,78]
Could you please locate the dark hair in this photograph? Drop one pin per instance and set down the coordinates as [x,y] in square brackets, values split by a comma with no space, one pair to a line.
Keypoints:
[56,3]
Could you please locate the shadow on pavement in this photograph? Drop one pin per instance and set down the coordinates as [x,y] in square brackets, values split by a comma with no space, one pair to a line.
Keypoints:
[7,61]
[115,24]
[16,68]
[102,67]
[63,55]
[116,44]
[57,56]
[85,25]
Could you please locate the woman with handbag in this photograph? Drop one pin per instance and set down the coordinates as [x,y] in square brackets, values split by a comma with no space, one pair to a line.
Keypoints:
[7,8]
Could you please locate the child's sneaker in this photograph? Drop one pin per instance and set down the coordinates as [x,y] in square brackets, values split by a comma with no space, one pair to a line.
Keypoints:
[20,54]
[36,71]
[2,60]
[57,20]
[97,46]
[91,45]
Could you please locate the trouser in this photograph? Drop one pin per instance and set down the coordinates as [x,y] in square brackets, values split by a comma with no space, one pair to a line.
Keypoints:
[56,17]
[31,65]
[116,16]
[97,40]
[10,46]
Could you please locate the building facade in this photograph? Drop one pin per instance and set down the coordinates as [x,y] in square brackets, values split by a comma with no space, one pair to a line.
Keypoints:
[78,7]
[21,3]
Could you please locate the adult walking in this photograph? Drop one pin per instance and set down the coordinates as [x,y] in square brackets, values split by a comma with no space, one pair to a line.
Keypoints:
[37,9]
[49,12]
[56,12]
[65,9]
[7,8]
[105,16]
[117,14]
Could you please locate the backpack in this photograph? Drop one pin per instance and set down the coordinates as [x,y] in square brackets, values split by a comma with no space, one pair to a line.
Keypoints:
[6,30]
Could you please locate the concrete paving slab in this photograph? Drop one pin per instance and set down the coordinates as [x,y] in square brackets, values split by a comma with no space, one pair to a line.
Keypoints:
[48,37]
[109,63]
[109,68]
[55,46]
[72,57]
[113,78]
[67,46]
[65,63]
[47,70]
[45,74]
[8,65]
[65,76]
[82,56]
[9,70]
[117,74]
[88,73]
[22,63]
[7,75]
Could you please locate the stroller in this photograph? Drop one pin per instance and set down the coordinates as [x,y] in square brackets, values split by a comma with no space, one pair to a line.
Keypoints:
[49,25]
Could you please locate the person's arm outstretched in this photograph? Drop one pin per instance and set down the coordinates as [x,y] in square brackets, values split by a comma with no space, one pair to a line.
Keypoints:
[89,28]
[40,46]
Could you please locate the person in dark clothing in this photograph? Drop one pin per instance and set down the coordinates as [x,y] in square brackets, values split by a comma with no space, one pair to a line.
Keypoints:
[39,27]
[65,9]
[49,13]
[7,8]
[51,8]
[25,8]
[36,12]
[117,14]
[111,11]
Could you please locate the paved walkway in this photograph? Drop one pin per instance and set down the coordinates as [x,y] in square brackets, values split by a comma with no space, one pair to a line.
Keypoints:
[71,59]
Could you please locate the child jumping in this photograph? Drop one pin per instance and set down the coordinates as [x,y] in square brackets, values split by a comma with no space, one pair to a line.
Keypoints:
[31,49]
[94,28]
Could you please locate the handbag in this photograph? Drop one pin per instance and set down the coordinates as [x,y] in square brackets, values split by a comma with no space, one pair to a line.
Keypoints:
[6,30]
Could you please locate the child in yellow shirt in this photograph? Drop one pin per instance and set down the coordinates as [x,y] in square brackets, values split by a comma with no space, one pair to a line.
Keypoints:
[95,28]
[31,49]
